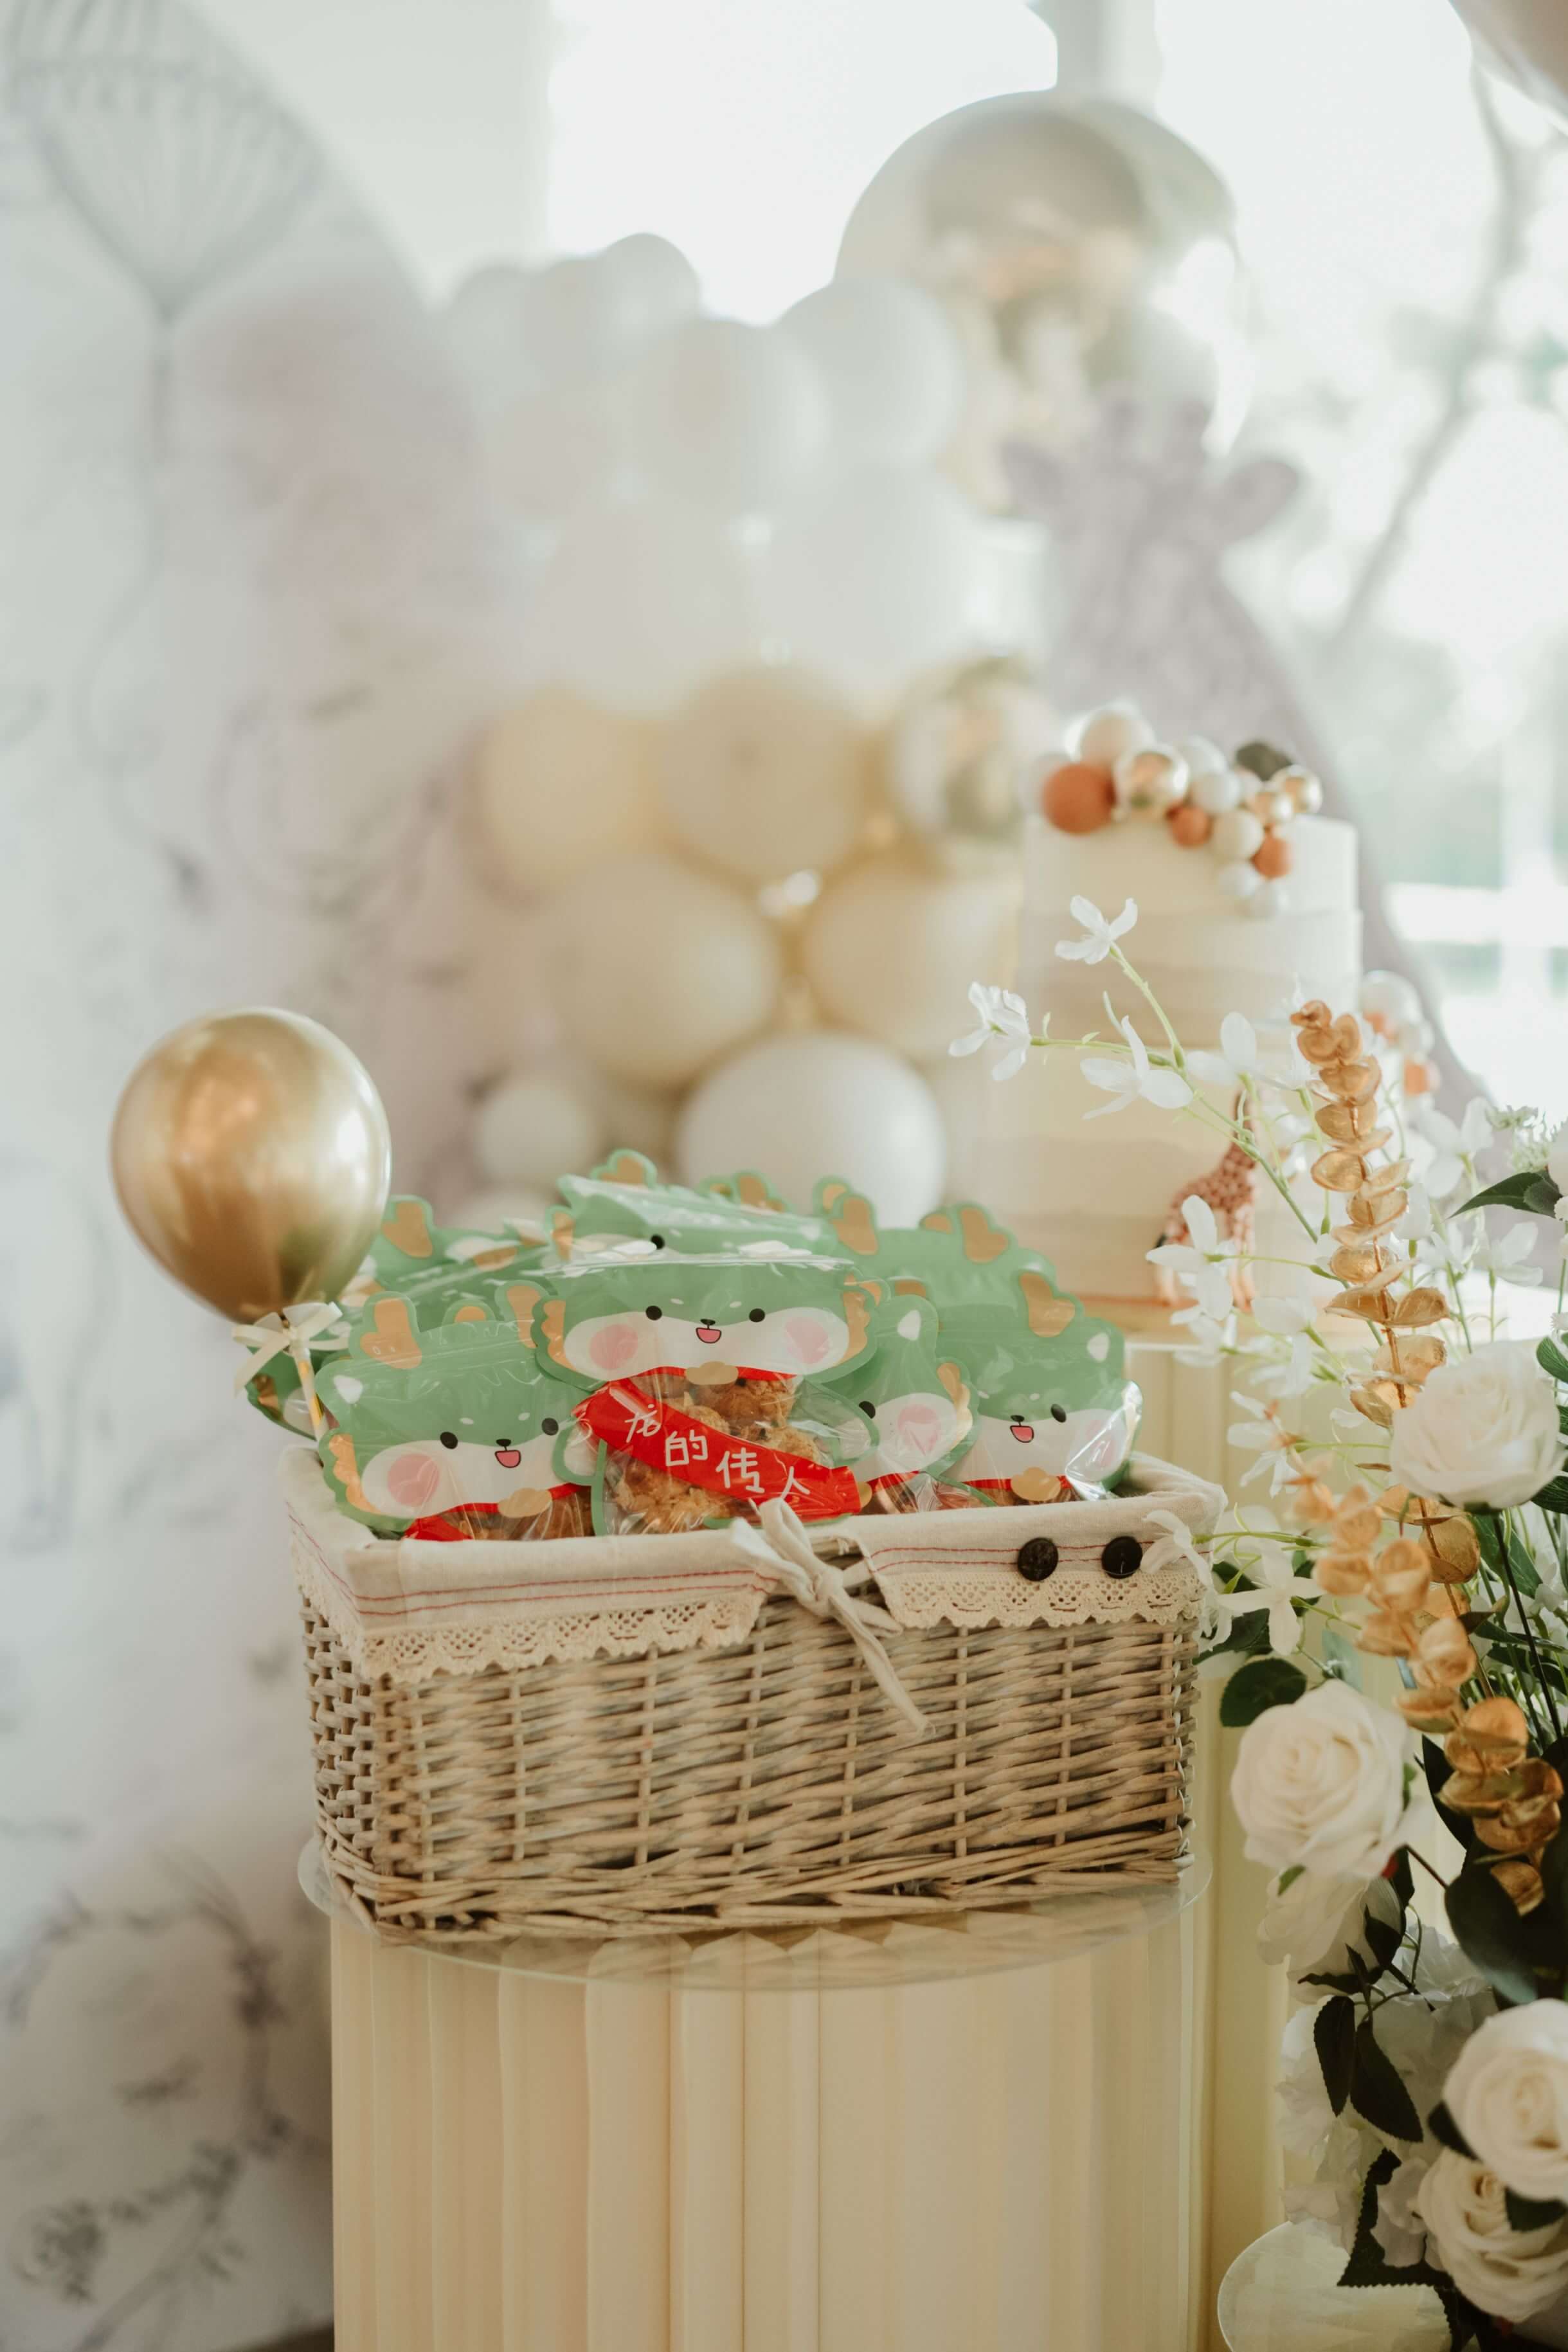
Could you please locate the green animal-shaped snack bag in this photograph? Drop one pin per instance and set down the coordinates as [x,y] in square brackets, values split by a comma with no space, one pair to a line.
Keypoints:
[706,1383]
[622,1209]
[454,1429]
[1054,1414]
[413,1256]
[915,1403]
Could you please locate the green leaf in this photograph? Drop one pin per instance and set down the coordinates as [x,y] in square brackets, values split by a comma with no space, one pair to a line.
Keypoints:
[1377,2089]
[1261,759]
[1530,1189]
[1532,2212]
[1289,1877]
[1490,1932]
[1382,1937]
[1444,2128]
[1255,1687]
[1550,1356]
[1249,1636]
[1368,2265]
[1554,1496]
[1333,2034]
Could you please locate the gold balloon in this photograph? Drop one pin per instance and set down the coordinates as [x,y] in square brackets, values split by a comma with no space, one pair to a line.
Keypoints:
[252,1158]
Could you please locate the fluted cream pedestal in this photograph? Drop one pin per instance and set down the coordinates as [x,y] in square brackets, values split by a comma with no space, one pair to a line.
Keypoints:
[1060,2159]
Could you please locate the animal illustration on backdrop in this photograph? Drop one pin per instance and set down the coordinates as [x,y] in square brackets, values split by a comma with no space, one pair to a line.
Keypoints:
[1142,519]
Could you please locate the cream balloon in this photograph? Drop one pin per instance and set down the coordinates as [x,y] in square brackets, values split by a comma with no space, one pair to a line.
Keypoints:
[891,365]
[1051,225]
[731,416]
[655,284]
[485,329]
[660,970]
[535,1128]
[767,773]
[642,1119]
[559,784]
[820,1104]
[641,600]
[876,578]
[965,755]
[550,451]
[500,1206]
[252,1158]
[891,948]
[578,320]
[1526,41]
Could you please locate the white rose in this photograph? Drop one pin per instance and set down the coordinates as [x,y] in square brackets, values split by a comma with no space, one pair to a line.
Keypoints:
[1322,1783]
[1508,2093]
[1482,1430]
[1506,2271]
[1316,1923]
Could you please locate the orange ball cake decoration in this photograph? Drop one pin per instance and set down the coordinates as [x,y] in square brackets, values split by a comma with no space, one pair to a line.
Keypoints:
[1241,809]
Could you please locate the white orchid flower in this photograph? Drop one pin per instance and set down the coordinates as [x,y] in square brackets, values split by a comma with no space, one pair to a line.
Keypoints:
[1208,1338]
[1278,1588]
[1237,1056]
[1448,1143]
[1507,1259]
[1262,1434]
[1287,1321]
[1127,1080]
[1100,936]
[1001,1013]
[1201,1262]
[1176,1543]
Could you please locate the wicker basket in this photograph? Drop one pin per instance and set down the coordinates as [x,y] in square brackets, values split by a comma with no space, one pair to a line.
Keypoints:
[657,1734]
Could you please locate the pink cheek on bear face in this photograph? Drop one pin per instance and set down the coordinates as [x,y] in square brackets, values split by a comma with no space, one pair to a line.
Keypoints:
[412,1480]
[808,1340]
[920,1429]
[613,1346]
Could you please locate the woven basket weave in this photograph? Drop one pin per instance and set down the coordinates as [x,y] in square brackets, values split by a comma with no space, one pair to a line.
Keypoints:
[758,1777]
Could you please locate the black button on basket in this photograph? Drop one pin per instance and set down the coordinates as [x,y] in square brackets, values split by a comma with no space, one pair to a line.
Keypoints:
[1036,1559]
[1120,1556]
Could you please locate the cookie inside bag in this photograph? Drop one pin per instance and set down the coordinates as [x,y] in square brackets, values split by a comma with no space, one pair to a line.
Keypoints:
[676,1456]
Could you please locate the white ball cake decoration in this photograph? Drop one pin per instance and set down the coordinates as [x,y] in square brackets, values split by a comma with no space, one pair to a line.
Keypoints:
[1240,811]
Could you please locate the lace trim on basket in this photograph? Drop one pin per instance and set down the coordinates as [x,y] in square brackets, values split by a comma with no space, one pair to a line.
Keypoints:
[412,1654]
[932,1594]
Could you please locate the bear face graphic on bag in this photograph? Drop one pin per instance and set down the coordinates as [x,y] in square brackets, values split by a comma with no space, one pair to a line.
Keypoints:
[916,1407]
[425,1422]
[712,1319]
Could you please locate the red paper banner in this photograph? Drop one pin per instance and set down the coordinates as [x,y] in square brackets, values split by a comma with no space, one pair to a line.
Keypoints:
[627,1421]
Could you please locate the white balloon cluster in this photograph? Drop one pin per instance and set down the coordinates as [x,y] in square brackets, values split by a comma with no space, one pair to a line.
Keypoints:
[764,750]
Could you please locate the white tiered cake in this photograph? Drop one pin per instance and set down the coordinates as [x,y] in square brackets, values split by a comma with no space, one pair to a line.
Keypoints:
[1092,1194]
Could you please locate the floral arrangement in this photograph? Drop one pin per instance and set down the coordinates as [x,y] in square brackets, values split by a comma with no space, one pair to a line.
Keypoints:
[1393,1621]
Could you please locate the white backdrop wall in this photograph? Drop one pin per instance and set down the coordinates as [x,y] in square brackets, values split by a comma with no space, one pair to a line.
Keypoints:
[238,553]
